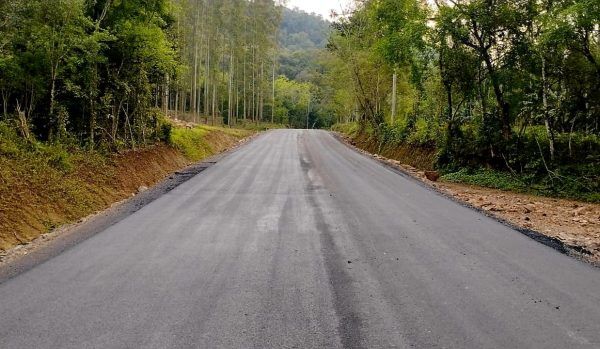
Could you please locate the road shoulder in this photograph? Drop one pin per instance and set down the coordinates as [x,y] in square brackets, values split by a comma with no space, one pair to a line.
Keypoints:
[570,227]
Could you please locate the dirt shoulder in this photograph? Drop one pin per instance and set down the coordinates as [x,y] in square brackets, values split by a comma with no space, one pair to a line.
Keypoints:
[574,225]
[37,199]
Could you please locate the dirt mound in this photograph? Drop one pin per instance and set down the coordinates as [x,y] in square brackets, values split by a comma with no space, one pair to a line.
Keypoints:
[421,157]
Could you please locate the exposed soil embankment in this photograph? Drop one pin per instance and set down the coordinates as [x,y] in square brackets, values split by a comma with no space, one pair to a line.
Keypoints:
[38,195]
[572,223]
[421,157]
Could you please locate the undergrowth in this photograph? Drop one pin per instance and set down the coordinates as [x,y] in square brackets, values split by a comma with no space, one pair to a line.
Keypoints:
[574,174]
[46,184]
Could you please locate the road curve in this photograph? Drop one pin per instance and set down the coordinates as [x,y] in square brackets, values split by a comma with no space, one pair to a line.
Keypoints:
[296,241]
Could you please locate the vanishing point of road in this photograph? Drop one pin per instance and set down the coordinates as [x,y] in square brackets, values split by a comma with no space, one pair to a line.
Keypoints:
[297,241]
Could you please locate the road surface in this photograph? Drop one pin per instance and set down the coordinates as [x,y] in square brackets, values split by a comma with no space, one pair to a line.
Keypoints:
[296,241]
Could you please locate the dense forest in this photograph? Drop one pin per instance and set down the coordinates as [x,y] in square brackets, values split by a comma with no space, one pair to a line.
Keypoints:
[106,72]
[503,85]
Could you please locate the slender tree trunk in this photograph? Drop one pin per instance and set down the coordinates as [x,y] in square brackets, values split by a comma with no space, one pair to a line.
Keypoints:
[394,82]
[502,104]
[253,85]
[207,80]
[237,96]
[230,91]
[261,92]
[5,103]
[244,90]
[547,122]
[214,103]
[165,102]
[53,91]
[176,103]
[273,96]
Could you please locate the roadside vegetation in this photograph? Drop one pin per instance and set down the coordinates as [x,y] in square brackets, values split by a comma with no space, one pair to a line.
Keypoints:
[45,185]
[90,94]
[503,94]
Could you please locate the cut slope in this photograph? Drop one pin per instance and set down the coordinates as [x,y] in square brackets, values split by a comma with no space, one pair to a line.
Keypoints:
[48,186]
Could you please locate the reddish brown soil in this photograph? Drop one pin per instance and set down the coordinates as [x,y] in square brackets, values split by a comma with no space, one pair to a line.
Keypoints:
[422,157]
[36,198]
[42,201]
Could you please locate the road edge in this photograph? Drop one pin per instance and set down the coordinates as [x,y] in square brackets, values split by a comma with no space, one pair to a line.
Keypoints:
[61,239]
[575,252]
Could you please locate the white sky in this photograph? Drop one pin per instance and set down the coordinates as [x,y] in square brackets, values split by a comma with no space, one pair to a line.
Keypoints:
[322,7]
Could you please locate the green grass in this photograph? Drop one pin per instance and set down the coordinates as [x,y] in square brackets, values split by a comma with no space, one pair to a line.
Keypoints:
[192,142]
[487,178]
[562,183]
[350,129]
[257,127]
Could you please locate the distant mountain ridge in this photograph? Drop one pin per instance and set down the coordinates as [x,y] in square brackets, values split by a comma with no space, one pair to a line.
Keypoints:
[300,30]
[301,35]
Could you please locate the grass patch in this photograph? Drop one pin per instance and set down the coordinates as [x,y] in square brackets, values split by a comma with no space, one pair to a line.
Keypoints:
[350,129]
[564,183]
[487,178]
[202,141]
[257,127]
[191,142]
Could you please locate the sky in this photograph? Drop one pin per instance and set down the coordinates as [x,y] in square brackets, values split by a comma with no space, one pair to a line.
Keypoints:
[322,7]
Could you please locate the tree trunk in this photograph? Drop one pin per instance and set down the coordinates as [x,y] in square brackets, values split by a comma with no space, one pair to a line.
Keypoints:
[502,104]
[547,122]
[176,103]
[244,89]
[394,83]
[273,97]
[261,92]
[5,104]
[165,102]
[214,101]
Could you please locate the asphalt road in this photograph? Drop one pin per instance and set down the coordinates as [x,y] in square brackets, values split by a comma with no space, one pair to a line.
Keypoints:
[296,241]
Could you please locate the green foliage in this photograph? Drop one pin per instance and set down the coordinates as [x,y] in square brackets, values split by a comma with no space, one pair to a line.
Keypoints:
[301,31]
[292,102]
[351,128]
[488,178]
[58,156]
[566,182]
[11,144]
[422,134]
[191,142]
[509,86]
[85,68]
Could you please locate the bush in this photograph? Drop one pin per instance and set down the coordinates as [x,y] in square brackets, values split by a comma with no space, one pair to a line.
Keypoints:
[11,144]
[58,157]
[162,126]
[421,133]
[487,178]
[190,142]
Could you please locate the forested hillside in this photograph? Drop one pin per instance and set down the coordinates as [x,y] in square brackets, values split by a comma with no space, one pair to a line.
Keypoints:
[302,41]
[300,30]
[302,36]
[487,86]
